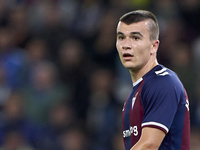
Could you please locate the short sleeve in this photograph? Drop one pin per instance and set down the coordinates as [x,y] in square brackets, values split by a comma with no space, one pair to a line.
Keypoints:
[160,103]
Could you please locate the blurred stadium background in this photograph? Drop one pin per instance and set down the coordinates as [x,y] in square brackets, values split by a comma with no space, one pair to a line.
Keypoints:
[62,86]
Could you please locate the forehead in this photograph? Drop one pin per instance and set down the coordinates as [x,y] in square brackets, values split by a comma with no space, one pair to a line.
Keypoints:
[141,27]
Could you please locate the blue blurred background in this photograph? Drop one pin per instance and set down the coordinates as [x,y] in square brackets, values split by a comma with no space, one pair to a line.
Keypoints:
[62,86]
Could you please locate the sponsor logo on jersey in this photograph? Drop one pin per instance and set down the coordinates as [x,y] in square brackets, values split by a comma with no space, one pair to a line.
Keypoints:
[132,130]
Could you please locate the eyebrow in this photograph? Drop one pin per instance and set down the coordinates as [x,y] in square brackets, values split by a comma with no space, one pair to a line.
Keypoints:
[138,33]
[132,33]
[119,33]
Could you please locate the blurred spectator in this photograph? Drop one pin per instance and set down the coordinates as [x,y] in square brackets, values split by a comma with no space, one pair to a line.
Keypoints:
[103,50]
[62,117]
[175,28]
[36,53]
[103,112]
[196,55]
[12,59]
[74,68]
[165,10]
[5,91]
[117,141]
[122,83]
[3,12]
[14,124]
[69,12]
[44,92]
[48,25]
[87,20]
[181,62]
[13,140]
[195,138]
[195,105]
[18,25]
[190,12]
[74,139]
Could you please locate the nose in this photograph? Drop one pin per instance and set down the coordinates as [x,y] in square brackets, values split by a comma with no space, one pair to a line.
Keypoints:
[126,44]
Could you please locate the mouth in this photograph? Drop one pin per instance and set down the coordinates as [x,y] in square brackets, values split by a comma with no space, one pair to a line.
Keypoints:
[127,56]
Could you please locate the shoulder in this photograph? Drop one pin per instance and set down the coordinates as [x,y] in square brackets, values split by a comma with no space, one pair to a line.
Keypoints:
[162,81]
[161,76]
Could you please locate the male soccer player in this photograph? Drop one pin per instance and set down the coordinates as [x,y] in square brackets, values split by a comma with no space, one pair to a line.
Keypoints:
[156,113]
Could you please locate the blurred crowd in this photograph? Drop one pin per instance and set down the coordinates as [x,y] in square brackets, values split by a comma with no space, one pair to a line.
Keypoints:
[62,86]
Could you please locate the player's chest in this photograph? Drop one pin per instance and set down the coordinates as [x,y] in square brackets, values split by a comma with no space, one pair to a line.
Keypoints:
[133,109]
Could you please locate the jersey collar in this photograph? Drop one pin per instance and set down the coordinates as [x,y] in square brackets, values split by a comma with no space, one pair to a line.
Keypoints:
[137,82]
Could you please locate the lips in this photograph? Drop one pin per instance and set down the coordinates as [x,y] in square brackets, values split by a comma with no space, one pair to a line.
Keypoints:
[127,55]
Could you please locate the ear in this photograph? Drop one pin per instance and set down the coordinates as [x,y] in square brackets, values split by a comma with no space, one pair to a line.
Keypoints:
[155,45]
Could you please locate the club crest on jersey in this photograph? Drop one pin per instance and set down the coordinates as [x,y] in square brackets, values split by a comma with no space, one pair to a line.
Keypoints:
[133,100]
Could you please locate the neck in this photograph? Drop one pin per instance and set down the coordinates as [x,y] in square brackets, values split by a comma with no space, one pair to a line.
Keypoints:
[137,74]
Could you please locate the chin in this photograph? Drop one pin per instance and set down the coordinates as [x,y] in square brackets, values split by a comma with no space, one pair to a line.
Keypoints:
[128,65]
[131,67]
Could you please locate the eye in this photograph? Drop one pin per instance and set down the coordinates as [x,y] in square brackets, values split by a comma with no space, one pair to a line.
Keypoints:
[120,37]
[136,38]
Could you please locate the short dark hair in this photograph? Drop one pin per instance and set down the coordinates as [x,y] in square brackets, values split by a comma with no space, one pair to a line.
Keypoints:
[142,15]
